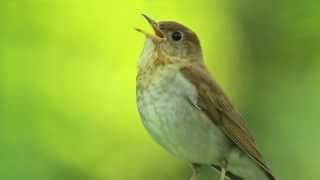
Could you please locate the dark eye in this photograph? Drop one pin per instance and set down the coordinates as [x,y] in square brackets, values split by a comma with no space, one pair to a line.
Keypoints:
[176,36]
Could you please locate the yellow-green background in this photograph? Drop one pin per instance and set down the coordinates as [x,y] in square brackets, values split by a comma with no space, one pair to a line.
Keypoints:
[67,84]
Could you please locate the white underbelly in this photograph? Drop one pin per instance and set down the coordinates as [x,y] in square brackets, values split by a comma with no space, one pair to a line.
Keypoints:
[178,126]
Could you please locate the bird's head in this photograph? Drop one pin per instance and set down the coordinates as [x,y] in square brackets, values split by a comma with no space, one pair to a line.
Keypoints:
[174,39]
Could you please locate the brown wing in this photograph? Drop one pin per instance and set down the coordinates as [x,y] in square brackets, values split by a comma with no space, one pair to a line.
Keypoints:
[217,106]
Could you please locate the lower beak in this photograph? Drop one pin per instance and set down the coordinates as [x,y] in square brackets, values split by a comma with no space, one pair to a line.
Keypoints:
[159,36]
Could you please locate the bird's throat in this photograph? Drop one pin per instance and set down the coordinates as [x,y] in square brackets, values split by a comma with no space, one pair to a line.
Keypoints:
[149,54]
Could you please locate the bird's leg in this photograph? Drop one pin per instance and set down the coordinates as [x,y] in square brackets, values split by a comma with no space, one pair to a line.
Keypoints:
[223,170]
[223,173]
[195,170]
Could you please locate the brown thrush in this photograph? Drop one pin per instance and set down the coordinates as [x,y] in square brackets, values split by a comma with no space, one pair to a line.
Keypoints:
[186,111]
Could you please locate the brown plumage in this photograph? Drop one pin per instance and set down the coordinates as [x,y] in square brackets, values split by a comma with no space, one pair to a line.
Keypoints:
[186,111]
[218,107]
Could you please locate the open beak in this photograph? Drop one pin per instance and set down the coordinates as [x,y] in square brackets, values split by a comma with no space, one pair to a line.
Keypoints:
[159,36]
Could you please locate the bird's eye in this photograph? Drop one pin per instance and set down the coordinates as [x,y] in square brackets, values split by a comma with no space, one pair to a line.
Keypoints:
[176,36]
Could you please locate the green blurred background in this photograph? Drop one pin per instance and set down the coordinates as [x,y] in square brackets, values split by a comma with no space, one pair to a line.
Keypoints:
[67,84]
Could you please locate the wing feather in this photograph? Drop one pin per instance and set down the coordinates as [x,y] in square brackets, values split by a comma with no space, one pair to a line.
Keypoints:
[219,109]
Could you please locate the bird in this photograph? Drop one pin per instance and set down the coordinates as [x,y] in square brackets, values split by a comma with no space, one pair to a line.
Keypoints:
[185,110]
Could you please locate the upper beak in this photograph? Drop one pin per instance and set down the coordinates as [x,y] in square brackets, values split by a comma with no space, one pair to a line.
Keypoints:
[159,36]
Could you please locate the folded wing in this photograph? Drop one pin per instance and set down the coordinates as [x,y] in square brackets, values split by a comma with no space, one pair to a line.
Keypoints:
[219,109]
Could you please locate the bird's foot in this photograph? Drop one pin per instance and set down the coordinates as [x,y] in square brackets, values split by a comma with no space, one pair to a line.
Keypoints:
[195,169]
[194,177]
[223,173]
[223,170]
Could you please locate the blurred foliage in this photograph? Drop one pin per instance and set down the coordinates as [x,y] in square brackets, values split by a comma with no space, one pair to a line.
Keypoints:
[67,76]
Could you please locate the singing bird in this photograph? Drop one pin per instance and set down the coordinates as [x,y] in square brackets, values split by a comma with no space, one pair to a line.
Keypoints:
[186,111]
